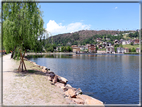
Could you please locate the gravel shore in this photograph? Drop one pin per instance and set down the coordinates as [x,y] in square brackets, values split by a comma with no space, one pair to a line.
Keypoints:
[30,88]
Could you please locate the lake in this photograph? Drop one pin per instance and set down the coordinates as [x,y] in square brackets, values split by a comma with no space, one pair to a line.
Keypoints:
[113,79]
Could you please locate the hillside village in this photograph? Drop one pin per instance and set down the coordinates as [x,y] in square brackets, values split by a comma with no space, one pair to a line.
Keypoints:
[130,45]
[106,47]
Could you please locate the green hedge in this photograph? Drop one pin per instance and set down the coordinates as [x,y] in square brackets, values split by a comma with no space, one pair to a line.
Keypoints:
[132,53]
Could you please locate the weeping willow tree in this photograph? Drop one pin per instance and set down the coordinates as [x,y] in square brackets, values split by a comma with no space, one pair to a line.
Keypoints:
[22,26]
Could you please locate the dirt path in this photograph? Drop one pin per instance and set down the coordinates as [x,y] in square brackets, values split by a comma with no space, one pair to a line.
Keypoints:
[28,89]
[8,66]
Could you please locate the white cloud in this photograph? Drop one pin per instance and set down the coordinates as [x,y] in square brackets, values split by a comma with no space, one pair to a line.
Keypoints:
[116,7]
[55,28]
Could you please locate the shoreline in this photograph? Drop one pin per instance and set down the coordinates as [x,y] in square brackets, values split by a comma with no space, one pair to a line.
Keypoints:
[33,53]
[72,53]
[70,92]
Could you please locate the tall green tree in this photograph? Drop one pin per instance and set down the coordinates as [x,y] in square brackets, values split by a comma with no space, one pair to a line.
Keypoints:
[62,49]
[69,49]
[115,48]
[22,25]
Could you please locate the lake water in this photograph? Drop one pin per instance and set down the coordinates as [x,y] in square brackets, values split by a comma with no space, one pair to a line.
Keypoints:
[113,79]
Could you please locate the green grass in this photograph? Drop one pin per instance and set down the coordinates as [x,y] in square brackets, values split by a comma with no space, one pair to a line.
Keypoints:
[131,53]
[126,36]
[102,49]
[130,46]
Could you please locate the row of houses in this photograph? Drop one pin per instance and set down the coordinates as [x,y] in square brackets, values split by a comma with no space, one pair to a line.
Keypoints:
[110,49]
[100,45]
[82,49]
[135,41]
[92,49]
[121,41]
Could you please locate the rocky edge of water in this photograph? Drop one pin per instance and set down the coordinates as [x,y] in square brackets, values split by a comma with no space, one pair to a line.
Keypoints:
[70,93]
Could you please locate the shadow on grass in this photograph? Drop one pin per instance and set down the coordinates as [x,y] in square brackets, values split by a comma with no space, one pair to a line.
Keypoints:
[29,72]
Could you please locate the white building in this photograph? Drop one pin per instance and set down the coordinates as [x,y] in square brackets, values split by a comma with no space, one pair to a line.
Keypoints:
[82,48]
[110,49]
[124,42]
[120,50]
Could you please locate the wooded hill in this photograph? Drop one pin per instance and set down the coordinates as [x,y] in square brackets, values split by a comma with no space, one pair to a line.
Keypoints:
[84,36]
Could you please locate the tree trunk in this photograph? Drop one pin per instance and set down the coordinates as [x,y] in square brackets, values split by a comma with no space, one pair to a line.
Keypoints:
[13,53]
[22,67]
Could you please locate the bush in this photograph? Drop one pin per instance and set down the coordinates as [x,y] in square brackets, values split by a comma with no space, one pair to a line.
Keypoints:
[132,43]
[115,48]
[133,50]
[117,45]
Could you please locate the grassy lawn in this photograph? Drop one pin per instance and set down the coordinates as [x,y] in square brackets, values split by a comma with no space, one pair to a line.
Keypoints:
[126,36]
[102,49]
[130,46]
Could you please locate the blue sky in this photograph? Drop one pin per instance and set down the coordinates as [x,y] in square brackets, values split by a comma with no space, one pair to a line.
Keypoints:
[70,17]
